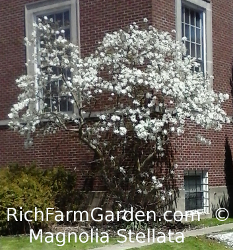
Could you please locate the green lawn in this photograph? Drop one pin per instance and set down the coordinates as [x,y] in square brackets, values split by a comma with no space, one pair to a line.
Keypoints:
[23,243]
[190,243]
[200,243]
[210,222]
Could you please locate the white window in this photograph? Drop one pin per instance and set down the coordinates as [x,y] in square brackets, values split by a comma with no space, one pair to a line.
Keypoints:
[194,21]
[193,29]
[52,97]
[196,191]
[65,14]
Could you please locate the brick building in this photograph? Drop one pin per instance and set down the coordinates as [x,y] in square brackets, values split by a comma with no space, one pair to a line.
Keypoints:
[205,172]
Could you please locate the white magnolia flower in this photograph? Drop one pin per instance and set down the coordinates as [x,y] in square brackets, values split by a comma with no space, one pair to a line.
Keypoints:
[154,178]
[158,185]
[122,131]
[139,191]
[122,170]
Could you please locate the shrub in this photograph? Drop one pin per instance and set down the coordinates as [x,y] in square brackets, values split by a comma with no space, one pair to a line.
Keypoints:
[25,188]
[64,186]
[22,190]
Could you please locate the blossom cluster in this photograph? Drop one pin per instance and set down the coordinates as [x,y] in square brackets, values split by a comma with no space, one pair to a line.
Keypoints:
[151,85]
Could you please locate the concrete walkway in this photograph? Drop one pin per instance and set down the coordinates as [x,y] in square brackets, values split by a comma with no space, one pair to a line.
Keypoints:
[197,232]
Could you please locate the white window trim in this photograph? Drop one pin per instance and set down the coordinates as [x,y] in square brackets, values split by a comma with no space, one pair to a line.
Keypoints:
[45,7]
[206,7]
[204,176]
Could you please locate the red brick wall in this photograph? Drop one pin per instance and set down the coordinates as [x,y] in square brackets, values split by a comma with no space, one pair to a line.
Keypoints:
[12,55]
[192,155]
[61,149]
[101,16]
[163,14]
[96,18]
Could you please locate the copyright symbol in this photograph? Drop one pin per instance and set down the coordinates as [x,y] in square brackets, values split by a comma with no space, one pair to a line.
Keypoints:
[222,214]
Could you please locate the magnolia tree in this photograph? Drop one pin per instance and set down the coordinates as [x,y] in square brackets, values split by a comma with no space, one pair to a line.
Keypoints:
[135,91]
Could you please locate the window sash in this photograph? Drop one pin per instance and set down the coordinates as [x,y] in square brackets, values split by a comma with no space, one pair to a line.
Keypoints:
[52,97]
[45,8]
[193,28]
[196,190]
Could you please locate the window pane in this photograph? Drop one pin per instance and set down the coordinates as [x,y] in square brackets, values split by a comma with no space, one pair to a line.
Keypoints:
[63,104]
[183,28]
[194,201]
[67,34]
[187,44]
[66,18]
[198,36]
[187,32]
[192,34]
[47,104]
[70,105]
[54,89]
[192,16]
[198,19]
[201,66]
[193,50]
[191,183]
[59,19]
[55,104]
[47,90]
[198,52]
[186,15]
[60,86]
[183,14]
[51,17]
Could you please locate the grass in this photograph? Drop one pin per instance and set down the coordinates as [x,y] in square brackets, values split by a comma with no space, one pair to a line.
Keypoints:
[210,222]
[193,243]
[190,243]
[23,243]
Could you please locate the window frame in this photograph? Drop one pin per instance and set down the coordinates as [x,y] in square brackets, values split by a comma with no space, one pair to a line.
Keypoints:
[43,8]
[202,42]
[203,174]
[206,8]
